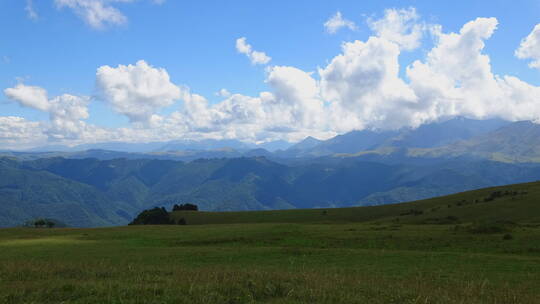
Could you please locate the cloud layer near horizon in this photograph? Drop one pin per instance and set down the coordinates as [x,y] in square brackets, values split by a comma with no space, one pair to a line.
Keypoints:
[359,88]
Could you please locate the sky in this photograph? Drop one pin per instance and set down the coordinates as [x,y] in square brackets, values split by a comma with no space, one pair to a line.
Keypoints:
[89,71]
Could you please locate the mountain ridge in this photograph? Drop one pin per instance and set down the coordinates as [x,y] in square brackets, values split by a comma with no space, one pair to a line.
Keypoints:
[110,192]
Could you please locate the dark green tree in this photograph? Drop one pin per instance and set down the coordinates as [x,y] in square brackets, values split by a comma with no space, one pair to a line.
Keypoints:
[39,223]
[154,216]
[185,207]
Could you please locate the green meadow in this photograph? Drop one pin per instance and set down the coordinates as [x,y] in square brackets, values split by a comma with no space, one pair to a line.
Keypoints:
[476,247]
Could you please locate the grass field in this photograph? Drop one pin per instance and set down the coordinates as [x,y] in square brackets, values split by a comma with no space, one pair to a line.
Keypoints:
[518,203]
[486,251]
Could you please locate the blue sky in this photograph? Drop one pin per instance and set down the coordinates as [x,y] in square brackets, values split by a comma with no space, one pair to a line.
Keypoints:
[51,45]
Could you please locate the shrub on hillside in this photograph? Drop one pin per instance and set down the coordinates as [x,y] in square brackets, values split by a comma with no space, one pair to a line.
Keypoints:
[154,216]
[44,223]
[442,220]
[414,212]
[491,227]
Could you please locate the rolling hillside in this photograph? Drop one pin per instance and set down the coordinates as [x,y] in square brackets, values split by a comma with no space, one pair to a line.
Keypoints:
[510,203]
[27,194]
[92,192]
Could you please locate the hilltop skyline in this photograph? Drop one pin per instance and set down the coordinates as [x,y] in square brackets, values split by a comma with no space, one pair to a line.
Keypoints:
[86,71]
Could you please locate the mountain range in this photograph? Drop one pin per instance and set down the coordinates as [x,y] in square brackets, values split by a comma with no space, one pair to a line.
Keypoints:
[175,145]
[431,135]
[92,192]
[370,167]
[436,139]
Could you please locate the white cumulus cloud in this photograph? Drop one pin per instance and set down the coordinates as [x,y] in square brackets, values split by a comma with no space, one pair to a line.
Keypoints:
[98,13]
[456,79]
[137,91]
[19,133]
[363,84]
[255,57]
[530,48]
[400,26]
[293,110]
[336,22]
[359,88]
[29,96]
[66,112]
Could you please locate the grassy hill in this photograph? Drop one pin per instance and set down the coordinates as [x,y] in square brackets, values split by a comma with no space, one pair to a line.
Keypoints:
[475,247]
[515,203]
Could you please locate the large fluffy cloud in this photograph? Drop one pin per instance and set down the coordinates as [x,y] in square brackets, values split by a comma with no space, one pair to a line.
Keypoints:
[29,96]
[66,112]
[362,88]
[364,81]
[298,94]
[359,88]
[67,115]
[137,91]
[17,133]
[456,79]
[400,26]
[530,48]
[292,111]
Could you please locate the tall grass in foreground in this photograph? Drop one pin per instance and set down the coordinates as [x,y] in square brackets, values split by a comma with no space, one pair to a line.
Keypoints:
[270,263]
[102,283]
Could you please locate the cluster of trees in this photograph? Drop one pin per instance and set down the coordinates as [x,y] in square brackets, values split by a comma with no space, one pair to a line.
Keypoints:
[185,207]
[154,216]
[43,223]
[160,216]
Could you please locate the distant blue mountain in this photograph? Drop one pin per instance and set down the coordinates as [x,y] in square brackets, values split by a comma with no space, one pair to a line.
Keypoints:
[445,132]
[273,146]
[430,135]
[306,144]
[437,138]
[121,147]
[515,142]
[204,144]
